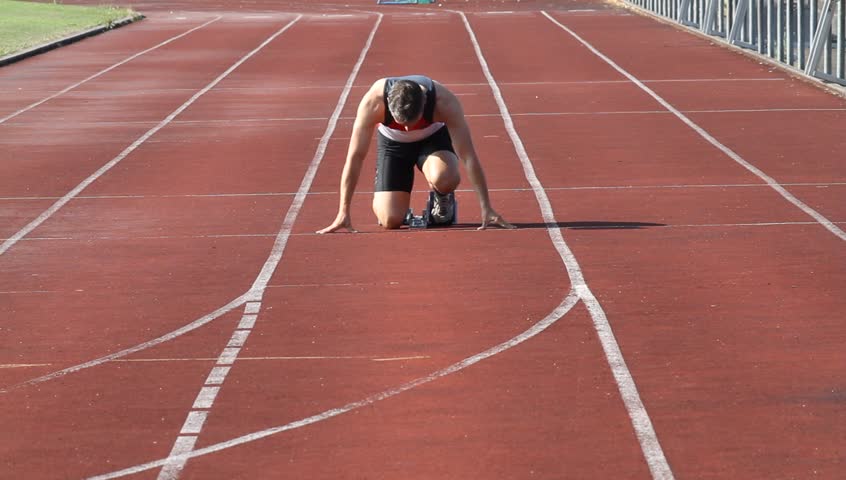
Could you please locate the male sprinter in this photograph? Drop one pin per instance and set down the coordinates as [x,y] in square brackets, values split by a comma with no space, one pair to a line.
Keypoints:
[419,122]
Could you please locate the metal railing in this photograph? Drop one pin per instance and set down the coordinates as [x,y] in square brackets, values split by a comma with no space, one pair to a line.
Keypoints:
[808,35]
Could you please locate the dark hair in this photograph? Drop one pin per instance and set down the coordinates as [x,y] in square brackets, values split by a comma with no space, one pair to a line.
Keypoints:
[405,100]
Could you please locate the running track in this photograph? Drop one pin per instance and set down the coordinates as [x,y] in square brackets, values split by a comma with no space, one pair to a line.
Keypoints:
[670,307]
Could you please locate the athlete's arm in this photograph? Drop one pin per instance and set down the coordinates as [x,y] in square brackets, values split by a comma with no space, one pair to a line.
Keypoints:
[368,115]
[450,112]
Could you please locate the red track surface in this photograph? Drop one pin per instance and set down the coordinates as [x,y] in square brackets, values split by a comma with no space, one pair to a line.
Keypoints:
[724,298]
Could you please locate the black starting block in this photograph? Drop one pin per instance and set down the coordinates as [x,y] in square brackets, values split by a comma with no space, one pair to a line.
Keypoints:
[425,218]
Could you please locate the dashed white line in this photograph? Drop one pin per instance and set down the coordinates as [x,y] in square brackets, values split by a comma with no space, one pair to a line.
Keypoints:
[182,446]
[248,321]
[194,422]
[206,397]
[176,463]
[217,375]
[565,306]
[228,356]
[239,337]
[252,308]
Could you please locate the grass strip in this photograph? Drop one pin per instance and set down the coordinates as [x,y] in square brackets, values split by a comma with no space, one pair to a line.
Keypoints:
[25,25]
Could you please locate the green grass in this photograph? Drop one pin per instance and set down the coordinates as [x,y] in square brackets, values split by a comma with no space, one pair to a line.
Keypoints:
[27,24]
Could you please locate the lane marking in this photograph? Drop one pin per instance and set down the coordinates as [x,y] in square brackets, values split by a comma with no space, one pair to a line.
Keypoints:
[137,143]
[641,422]
[239,338]
[248,321]
[228,356]
[574,226]
[275,257]
[568,303]
[184,444]
[25,365]
[137,348]
[825,222]
[266,89]
[205,399]
[277,358]
[265,121]
[177,462]
[217,375]
[368,192]
[106,70]
[194,423]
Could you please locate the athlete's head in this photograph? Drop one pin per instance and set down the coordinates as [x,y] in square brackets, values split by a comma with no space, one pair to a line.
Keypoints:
[405,101]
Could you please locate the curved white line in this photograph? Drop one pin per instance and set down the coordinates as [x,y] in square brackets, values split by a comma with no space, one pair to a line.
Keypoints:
[569,302]
[184,445]
[141,346]
[73,193]
[642,424]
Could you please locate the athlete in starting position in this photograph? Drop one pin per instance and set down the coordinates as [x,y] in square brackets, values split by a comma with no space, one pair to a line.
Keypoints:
[419,122]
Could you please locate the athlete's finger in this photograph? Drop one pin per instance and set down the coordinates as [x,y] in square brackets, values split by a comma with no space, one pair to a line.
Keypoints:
[331,228]
[504,224]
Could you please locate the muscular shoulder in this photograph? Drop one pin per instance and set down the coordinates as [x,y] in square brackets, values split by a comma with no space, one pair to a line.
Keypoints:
[373,104]
[447,106]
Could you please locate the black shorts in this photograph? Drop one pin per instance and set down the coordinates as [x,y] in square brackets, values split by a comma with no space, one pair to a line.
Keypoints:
[395,161]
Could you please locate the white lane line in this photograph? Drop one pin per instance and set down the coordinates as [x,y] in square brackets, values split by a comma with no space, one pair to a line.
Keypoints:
[137,348]
[368,192]
[652,451]
[24,365]
[247,321]
[184,444]
[574,225]
[234,354]
[228,356]
[309,357]
[265,89]
[217,375]
[20,292]
[825,222]
[568,303]
[205,399]
[253,306]
[194,423]
[399,359]
[288,224]
[105,168]
[265,121]
[239,338]
[106,70]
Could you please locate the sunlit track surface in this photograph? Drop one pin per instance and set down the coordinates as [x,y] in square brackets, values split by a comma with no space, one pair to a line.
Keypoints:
[177,309]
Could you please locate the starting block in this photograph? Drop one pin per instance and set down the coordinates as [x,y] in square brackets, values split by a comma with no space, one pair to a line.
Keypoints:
[425,218]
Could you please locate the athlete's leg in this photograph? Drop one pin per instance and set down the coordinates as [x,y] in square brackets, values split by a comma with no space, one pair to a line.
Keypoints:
[439,163]
[441,171]
[394,181]
[391,207]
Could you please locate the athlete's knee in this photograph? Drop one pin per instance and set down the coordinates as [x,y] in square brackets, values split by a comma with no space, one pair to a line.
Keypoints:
[446,183]
[391,222]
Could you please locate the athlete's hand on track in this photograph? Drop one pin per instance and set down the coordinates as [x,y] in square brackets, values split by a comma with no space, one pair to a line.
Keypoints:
[341,221]
[491,218]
